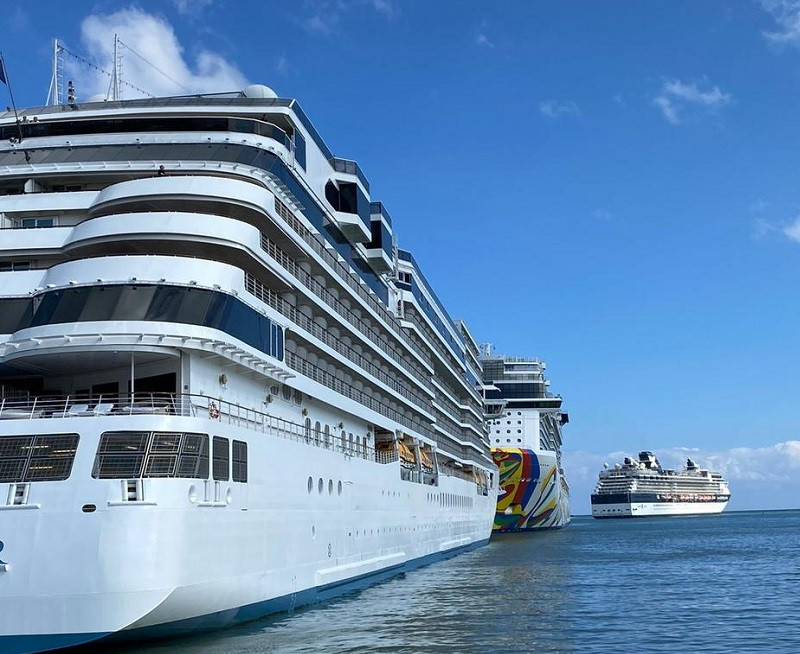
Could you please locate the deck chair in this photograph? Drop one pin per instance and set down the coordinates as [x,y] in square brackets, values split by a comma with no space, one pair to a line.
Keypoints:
[103,409]
[78,410]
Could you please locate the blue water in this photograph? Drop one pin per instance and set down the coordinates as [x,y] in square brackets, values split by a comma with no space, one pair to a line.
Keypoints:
[728,583]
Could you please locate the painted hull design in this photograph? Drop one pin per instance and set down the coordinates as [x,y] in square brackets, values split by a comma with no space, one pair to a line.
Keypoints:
[532,494]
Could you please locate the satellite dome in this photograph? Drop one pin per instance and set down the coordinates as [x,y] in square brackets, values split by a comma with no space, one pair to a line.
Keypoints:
[258,91]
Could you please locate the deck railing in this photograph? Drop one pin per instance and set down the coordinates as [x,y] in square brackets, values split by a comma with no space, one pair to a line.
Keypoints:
[196,406]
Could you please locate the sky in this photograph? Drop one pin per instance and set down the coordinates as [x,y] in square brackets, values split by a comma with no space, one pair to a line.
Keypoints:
[610,186]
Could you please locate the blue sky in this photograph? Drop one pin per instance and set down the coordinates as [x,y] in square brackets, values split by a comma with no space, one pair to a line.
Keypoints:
[611,186]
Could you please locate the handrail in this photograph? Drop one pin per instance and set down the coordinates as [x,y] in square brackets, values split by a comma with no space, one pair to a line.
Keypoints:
[196,406]
[283,307]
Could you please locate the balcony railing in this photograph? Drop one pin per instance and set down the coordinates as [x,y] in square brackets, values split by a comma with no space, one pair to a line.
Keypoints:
[271,298]
[345,274]
[305,367]
[332,301]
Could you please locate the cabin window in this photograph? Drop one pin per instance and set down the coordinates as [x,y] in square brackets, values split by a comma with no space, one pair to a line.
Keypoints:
[239,461]
[37,458]
[127,455]
[221,459]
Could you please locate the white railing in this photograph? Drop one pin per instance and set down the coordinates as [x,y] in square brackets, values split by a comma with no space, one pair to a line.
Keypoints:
[169,404]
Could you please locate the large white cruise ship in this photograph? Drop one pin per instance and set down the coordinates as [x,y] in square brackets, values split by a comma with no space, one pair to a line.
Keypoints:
[525,433]
[643,488]
[224,391]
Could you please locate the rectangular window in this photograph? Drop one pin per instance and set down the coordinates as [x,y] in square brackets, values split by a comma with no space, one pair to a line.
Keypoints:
[128,455]
[37,458]
[221,459]
[194,457]
[120,455]
[240,461]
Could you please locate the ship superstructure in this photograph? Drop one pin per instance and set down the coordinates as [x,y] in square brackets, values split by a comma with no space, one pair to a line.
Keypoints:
[638,488]
[525,432]
[225,391]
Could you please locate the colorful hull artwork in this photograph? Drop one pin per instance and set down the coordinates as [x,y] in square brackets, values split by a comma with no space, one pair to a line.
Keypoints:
[531,493]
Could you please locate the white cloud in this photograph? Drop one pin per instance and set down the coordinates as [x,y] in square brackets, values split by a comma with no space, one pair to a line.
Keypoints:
[191,7]
[676,97]
[792,230]
[282,65]
[760,477]
[786,14]
[557,108]
[326,15]
[482,39]
[482,35]
[153,38]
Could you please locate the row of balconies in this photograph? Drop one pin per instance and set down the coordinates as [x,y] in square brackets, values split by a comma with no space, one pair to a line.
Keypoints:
[324,335]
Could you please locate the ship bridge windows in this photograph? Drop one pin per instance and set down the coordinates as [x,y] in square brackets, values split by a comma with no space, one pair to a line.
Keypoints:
[131,454]
[47,457]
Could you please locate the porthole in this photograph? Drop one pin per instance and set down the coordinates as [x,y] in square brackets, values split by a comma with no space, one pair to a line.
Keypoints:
[508,440]
[310,484]
[339,487]
[320,485]
[519,413]
[330,487]
[519,440]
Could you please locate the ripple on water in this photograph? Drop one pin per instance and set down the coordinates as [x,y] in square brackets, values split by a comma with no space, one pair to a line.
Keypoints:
[722,584]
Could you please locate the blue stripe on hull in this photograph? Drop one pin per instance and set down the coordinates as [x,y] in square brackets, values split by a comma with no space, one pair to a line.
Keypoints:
[34,643]
[220,619]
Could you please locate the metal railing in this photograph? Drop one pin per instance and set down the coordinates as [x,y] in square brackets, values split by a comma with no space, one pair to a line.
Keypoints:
[312,371]
[186,405]
[345,275]
[334,303]
[271,298]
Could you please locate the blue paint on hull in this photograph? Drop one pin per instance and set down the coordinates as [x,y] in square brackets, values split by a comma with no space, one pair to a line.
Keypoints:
[32,644]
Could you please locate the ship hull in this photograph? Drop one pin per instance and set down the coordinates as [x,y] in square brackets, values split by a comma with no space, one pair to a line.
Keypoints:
[322,524]
[532,495]
[650,509]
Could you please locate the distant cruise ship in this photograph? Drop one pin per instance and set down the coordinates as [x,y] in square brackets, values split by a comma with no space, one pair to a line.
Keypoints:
[525,423]
[224,391]
[643,488]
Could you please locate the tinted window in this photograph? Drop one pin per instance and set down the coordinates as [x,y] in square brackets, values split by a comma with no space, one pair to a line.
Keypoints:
[221,459]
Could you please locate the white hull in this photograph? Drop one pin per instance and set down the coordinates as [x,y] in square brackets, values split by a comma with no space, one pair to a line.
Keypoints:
[264,546]
[645,509]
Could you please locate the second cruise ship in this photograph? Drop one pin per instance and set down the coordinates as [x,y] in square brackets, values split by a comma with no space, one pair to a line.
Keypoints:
[525,432]
[224,390]
[639,488]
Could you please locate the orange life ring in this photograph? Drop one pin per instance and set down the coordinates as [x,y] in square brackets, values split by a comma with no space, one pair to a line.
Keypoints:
[213,411]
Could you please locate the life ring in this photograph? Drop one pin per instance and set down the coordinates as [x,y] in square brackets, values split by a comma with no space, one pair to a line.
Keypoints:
[213,411]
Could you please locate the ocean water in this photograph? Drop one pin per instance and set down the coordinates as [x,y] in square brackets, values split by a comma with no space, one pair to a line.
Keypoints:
[727,583]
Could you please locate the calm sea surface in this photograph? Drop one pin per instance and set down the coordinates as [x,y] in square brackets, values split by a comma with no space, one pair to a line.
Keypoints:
[728,583]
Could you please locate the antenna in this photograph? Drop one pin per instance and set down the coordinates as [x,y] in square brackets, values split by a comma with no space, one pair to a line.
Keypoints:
[114,86]
[54,93]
